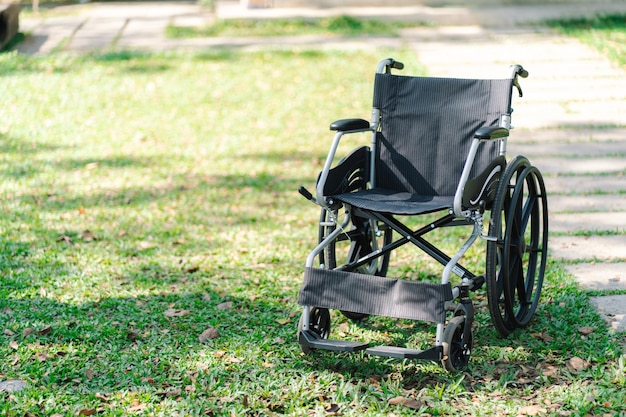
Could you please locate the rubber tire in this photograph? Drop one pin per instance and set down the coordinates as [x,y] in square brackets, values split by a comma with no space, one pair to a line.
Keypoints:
[456,351]
[494,276]
[525,246]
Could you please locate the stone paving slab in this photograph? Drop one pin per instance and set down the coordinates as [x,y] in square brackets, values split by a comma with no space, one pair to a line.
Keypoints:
[568,150]
[582,248]
[143,33]
[580,165]
[588,222]
[566,136]
[603,276]
[612,309]
[585,184]
[97,33]
[605,203]
[51,35]
[541,116]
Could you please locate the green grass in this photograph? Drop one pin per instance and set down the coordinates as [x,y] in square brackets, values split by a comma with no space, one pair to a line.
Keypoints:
[340,25]
[136,185]
[605,33]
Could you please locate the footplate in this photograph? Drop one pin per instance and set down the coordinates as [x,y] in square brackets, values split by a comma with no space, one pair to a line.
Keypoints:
[433,354]
[314,341]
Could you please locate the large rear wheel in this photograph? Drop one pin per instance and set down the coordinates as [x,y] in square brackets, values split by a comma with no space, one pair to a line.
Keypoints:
[496,275]
[518,248]
[525,246]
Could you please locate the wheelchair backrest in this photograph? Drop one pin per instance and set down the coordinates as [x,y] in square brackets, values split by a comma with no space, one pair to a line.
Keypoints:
[426,129]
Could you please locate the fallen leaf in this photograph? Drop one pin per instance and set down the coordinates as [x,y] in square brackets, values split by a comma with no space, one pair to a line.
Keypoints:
[169,394]
[44,331]
[144,244]
[532,410]
[12,385]
[65,239]
[87,236]
[172,312]
[8,332]
[332,409]
[576,364]
[208,334]
[28,331]
[225,305]
[549,370]
[102,397]
[396,400]
[89,374]
[13,345]
[87,412]
[542,336]
[282,322]
[586,331]
[137,407]
[191,269]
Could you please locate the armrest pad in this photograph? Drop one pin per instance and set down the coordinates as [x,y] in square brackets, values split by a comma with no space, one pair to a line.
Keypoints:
[491,132]
[344,125]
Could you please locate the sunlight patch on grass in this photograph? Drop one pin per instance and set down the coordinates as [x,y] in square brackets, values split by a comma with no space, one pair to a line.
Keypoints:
[340,25]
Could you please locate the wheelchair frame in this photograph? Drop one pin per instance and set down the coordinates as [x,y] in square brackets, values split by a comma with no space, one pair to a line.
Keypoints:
[512,294]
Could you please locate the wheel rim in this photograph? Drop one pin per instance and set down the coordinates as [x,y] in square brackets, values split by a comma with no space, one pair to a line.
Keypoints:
[362,239]
[350,246]
[319,322]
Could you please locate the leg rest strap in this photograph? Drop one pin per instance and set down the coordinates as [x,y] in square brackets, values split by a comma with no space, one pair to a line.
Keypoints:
[379,296]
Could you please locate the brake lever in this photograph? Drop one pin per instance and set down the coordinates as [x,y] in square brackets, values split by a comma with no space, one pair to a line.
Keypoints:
[519,88]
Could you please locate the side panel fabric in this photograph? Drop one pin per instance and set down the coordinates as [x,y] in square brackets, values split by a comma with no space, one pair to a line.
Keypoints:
[427,126]
[368,294]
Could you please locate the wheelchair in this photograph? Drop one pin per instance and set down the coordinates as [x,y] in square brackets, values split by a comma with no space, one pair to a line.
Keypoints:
[438,148]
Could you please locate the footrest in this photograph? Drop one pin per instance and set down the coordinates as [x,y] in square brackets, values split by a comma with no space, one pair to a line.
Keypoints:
[313,340]
[433,354]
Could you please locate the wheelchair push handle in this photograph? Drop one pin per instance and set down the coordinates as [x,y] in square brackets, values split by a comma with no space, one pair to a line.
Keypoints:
[518,70]
[385,66]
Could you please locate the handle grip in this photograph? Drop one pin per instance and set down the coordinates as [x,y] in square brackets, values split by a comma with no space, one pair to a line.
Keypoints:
[305,193]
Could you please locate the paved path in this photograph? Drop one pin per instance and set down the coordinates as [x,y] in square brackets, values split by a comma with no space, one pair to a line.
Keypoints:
[572,121]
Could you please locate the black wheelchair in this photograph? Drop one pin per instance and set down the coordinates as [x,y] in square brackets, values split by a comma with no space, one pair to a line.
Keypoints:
[438,147]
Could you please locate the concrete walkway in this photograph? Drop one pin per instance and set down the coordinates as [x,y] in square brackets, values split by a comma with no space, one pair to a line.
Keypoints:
[571,120]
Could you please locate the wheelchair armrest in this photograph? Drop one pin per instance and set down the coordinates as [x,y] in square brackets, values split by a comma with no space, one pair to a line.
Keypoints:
[491,132]
[345,125]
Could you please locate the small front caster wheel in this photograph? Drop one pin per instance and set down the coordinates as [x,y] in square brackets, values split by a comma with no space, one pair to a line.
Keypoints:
[456,347]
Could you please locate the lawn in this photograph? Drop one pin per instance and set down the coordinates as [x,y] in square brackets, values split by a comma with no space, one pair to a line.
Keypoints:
[606,33]
[152,245]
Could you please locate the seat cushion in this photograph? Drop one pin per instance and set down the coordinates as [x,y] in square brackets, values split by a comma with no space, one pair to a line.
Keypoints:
[394,202]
